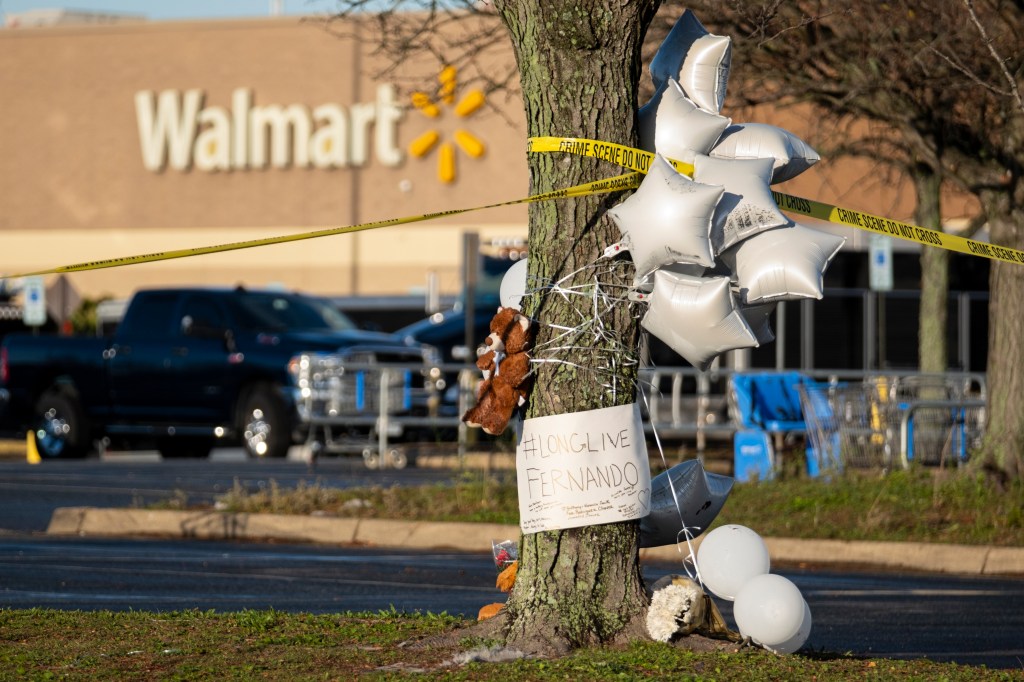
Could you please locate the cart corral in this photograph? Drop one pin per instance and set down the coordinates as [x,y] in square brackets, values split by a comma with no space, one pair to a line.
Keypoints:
[834,421]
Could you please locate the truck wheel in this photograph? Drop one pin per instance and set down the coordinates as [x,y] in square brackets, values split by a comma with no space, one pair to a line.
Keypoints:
[59,426]
[264,423]
[185,448]
[397,459]
[371,458]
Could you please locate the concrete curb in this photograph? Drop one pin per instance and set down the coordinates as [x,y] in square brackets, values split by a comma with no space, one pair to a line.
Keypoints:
[214,525]
[477,537]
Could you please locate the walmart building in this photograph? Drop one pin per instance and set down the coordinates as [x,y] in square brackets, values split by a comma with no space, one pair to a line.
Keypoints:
[138,137]
[131,137]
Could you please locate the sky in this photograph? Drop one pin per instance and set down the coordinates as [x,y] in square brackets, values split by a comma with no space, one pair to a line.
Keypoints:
[177,9]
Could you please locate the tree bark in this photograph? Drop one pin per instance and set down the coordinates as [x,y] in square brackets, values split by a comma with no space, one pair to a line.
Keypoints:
[579,66]
[1002,450]
[934,310]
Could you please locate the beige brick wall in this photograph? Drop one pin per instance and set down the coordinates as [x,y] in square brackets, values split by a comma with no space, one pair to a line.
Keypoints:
[76,190]
[73,187]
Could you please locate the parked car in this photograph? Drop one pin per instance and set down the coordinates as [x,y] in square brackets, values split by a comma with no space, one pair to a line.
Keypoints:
[446,332]
[188,369]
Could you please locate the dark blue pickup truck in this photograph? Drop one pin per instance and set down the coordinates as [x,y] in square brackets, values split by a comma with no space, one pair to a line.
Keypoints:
[189,369]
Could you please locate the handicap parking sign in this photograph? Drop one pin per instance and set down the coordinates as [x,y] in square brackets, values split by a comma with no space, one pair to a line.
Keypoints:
[33,312]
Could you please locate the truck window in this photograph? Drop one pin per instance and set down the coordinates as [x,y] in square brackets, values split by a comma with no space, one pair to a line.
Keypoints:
[206,314]
[150,316]
[261,311]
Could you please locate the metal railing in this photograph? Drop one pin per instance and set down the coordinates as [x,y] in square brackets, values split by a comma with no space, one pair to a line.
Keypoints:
[677,403]
[957,424]
[681,403]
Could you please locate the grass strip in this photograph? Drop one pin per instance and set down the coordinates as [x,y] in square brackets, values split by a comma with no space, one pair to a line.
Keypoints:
[41,644]
[919,505]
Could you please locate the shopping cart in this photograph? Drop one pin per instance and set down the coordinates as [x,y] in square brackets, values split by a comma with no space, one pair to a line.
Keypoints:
[886,422]
[765,407]
[939,419]
[847,425]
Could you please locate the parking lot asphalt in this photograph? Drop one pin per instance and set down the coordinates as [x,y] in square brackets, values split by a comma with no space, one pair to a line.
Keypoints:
[215,525]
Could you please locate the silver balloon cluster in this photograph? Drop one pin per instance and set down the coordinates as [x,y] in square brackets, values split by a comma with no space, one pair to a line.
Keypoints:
[714,253]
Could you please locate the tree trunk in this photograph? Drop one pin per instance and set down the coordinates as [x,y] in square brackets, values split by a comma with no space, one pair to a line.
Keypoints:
[934,310]
[579,66]
[1002,450]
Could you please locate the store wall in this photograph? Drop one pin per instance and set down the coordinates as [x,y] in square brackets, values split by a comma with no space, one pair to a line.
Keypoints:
[88,175]
[77,186]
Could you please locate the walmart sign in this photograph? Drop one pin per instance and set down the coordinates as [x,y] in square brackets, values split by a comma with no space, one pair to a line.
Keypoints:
[177,131]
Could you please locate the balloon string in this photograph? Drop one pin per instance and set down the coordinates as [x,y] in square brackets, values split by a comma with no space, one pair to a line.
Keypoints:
[599,300]
[689,558]
[589,302]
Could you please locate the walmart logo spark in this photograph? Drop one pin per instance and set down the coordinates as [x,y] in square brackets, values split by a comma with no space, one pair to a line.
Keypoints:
[464,140]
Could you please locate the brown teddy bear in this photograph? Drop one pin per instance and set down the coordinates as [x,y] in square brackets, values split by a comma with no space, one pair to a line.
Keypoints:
[505,365]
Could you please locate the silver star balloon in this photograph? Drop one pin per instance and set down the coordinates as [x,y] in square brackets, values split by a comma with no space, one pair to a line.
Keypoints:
[701,306]
[758,316]
[667,220]
[791,155]
[689,269]
[685,496]
[705,73]
[668,60]
[696,317]
[672,125]
[747,207]
[698,60]
[786,263]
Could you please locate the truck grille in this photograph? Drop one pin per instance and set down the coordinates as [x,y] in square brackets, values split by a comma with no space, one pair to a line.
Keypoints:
[331,385]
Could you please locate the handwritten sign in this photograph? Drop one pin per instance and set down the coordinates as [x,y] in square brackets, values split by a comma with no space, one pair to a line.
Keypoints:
[583,469]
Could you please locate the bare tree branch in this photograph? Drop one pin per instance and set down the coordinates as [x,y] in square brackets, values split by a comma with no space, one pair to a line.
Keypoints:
[1014,90]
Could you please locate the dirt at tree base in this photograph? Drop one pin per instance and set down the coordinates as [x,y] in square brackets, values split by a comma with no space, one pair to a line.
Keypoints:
[470,643]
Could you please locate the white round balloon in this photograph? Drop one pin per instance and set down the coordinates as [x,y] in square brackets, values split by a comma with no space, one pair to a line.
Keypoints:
[770,610]
[513,285]
[729,557]
[796,641]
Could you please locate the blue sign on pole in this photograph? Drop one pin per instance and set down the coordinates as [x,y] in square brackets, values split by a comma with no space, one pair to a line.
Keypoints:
[33,311]
[880,264]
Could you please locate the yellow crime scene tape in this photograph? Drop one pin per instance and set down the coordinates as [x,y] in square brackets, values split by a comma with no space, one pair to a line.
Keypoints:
[636,160]
[895,228]
[639,160]
[628,157]
[617,183]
